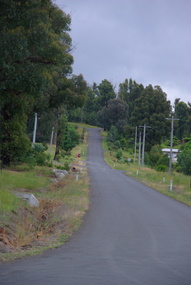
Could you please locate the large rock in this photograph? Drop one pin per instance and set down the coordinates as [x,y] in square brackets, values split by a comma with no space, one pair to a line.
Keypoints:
[60,174]
[30,198]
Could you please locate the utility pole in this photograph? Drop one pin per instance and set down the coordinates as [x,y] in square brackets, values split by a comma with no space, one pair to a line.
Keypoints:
[171,141]
[51,139]
[139,148]
[135,144]
[143,146]
[35,127]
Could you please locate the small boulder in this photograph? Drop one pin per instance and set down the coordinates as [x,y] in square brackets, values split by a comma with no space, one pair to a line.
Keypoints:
[30,198]
[59,173]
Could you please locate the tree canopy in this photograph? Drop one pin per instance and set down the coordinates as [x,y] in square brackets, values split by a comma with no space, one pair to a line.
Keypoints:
[34,42]
[183,114]
[152,108]
[114,114]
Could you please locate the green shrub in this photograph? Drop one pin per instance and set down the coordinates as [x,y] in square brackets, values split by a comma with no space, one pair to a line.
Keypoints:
[66,166]
[38,147]
[184,159]
[30,160]
[63,167]
[130,150]
[45,145]
[60,167]
[117,144]
[163,160]
[37,155]
[40,158]
[83,135]
[70,139]
[112,134]
[119,154]
[155,155]
[162,168]
[123,143]
[58,157]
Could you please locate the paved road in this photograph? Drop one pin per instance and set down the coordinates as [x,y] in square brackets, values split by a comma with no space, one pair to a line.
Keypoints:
[131,235]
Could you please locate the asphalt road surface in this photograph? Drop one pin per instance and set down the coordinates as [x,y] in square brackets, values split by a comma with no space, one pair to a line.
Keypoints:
[131,235]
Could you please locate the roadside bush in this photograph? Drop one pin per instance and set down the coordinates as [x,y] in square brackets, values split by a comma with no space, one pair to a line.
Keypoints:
[63,167]
[119,154]
[70,140]
[164,160]
[30,160]
[113,135]
[147,158]
[66,166]
[130,150]
[123,143]
[40,158]
[37,155]
[83,135]
[117,144]
[184,159]
[162,168]
[38,147]
[155,155]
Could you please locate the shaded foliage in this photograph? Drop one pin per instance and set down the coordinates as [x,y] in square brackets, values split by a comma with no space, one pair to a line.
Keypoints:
[34,40]
[184,159]
[114,114]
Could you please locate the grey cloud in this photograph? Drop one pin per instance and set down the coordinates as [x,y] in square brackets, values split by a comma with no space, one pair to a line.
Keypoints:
[148,40]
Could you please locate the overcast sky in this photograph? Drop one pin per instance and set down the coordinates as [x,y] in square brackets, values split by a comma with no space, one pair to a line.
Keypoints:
[146,40]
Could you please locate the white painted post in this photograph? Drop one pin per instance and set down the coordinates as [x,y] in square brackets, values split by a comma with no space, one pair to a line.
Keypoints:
[76,176]
[164,179]
[170,185]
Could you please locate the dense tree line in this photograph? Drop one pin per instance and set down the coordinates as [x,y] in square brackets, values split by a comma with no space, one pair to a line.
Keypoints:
[133,105]
[143,105]
[35,65]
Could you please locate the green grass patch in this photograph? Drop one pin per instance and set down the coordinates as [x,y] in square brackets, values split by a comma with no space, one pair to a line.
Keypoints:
[30,180]
[8,201]
[13,181]
[82,125]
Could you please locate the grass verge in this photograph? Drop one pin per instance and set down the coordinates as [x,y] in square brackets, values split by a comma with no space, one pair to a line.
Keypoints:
[26,230]
[83,125]
[160,181]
